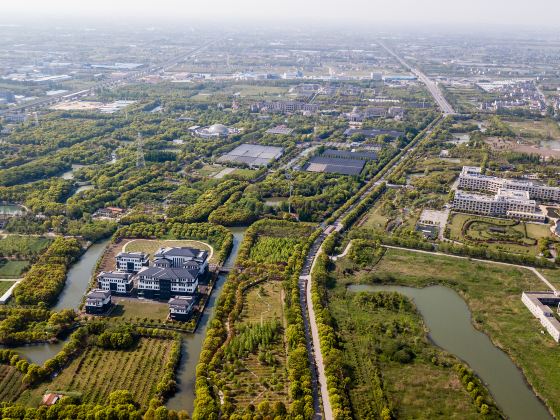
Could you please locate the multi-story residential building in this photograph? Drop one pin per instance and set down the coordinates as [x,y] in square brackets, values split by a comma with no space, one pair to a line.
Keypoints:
[471,178]
[165,282]
[180,307]
[131,262]
[98,301]
[184,257]
[116,282]
[285,107]
[508,203]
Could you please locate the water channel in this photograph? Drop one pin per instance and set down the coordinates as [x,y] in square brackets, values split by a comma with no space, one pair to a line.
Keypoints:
[192,343]
[448,319]
[74,289]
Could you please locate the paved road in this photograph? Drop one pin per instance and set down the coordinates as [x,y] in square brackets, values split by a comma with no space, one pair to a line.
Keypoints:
[432,87]
[318,376]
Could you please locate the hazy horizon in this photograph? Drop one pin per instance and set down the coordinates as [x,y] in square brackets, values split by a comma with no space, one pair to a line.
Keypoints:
[489,14]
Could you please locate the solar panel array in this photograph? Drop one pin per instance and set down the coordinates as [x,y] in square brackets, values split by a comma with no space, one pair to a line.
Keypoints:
[252,154]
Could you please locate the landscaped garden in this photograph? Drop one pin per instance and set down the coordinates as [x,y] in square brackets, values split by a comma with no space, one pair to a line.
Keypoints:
[500,234]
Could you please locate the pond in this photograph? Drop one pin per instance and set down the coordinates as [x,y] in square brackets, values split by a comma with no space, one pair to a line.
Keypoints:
[550,144]
[70,174]
[448,319]
[192,343]
[11,209]
[275,201]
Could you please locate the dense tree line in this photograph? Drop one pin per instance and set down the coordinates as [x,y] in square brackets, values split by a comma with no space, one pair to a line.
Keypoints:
[228,309]
[45,280]
[239,210]
[330,346]
[210,200]
[32,325]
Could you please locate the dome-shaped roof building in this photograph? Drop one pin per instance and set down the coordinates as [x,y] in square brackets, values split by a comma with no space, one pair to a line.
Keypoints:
[218,129]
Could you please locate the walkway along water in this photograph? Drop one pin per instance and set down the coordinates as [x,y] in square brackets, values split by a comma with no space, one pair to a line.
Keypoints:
[192,343]
[448,319]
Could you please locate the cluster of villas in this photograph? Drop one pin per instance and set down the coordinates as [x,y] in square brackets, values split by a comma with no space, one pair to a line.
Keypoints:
[512,198]
[172,276]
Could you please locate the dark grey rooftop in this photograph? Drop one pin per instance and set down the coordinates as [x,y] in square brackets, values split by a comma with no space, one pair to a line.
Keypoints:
[165,273]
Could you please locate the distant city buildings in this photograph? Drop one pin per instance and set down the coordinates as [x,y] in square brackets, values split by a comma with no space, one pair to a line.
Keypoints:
[284,107]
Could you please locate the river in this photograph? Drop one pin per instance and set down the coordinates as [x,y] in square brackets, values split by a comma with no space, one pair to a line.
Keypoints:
[448,319]
[192,343]
[76,285]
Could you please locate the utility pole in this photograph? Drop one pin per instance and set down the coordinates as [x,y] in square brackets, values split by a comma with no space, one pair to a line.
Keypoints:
[140,161]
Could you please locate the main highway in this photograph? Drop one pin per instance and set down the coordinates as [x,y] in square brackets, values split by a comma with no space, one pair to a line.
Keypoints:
[432,87]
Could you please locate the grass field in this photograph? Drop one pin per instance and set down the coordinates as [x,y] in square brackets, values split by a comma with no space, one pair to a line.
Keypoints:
[24,246]
[12,269]
[519,238]
[10,383]
[150,246]
[5,285]
[136,310]
[375,220]
[98,372]
[493,293]
[546,128]
[250,380]
[415,389]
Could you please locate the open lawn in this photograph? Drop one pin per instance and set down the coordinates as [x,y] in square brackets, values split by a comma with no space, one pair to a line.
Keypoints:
[498,234]
[24,246]
[5,285]
[150,246]
[11,269]
[493,294]
[375,220]
[10,383]
[545,129]
[263,303]
[98,372]
[136,310]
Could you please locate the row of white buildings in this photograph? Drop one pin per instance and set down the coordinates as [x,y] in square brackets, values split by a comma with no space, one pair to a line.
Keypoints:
[472,179]
[511,198]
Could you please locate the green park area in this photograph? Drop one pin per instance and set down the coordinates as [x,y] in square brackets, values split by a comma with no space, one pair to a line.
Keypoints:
[498,234]
[493,294]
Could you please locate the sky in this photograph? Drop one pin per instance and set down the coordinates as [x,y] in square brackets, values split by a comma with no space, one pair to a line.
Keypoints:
[532,13]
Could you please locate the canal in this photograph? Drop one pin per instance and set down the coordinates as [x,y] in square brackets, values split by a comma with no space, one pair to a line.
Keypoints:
[192,343]
[448,319]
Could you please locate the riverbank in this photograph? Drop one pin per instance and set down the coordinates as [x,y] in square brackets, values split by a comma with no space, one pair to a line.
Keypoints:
[493,295]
